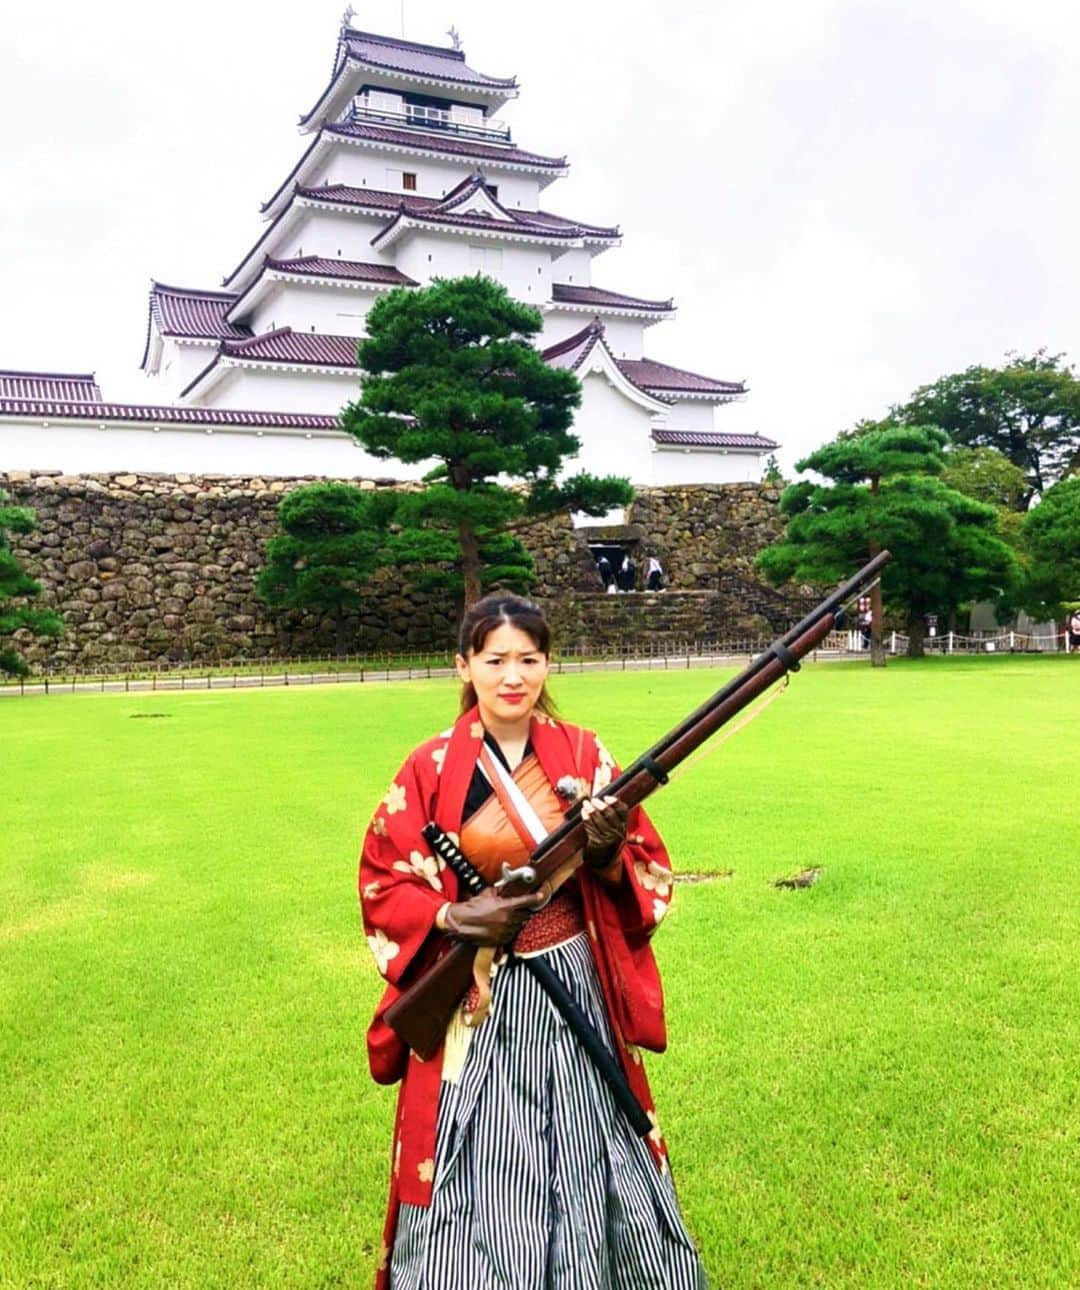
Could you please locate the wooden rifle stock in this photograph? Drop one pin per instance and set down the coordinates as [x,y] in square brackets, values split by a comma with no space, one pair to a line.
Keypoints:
[422,1013]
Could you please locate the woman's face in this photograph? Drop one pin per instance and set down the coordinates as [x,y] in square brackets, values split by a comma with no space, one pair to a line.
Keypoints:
[507,673]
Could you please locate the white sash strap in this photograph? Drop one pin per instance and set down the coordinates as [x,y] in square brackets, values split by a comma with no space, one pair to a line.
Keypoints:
[521,803]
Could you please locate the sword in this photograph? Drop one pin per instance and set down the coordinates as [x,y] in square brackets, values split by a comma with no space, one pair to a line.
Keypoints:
[562,1000]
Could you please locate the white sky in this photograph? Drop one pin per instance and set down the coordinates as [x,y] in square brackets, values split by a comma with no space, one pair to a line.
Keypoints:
[847,199]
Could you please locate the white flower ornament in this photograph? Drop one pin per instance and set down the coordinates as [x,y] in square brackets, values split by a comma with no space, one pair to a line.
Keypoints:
[383,949]
[426,867]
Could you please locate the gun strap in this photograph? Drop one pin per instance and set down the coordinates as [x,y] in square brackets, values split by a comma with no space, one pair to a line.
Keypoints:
[781,651]
[653,767]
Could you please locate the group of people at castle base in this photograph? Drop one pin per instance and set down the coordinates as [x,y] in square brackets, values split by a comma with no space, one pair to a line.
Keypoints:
[512,1164]
[624,578]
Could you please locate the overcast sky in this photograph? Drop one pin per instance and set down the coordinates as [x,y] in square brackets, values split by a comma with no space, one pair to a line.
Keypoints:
[845,199]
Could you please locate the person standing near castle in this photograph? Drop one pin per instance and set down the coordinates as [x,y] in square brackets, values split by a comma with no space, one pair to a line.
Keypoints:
[627,575]
[513,1165]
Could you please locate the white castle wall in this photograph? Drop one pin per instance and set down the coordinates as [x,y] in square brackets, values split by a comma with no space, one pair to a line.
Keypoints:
[684,466]
[694,414]
[347,164]
[180,363]
[334,311]
[268,390]
[525,271]
[574,267]
[614,433]
[85,449]
[337,235]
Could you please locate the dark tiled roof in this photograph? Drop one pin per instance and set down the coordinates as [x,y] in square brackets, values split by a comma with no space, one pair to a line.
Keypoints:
[447,144]
[463,219]
[543,220]
[430,62]
[710,439]
[297,348]
[662,378]
[568,294]
[100,411]
[435,209]
[317,266]
[571,352]
[420,60]
[658,379]
[288,346]
[197,315]
[374,198]
[443,210]
[66,386]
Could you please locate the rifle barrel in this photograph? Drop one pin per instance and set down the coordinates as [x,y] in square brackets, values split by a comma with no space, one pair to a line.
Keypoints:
[421,1014]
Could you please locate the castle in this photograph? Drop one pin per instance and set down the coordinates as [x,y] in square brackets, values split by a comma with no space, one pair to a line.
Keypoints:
[407,174]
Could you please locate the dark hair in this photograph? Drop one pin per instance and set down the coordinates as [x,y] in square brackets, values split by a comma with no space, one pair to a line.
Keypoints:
[498,609]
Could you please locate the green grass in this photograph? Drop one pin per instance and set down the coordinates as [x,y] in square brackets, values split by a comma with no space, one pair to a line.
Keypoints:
[871,1082]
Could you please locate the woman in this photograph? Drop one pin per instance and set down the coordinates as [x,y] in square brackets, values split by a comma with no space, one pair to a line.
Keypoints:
[512,1165]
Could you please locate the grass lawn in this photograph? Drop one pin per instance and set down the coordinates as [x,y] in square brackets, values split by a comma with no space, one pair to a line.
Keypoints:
[871,1082]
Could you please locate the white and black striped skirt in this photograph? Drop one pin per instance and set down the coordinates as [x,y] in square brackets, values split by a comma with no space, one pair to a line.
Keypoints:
[540,1183]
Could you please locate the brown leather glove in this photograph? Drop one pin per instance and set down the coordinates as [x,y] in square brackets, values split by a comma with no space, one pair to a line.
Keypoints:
[491,919]
[605,820]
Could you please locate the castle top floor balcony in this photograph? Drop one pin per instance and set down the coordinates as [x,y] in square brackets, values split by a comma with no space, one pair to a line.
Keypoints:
[426,118]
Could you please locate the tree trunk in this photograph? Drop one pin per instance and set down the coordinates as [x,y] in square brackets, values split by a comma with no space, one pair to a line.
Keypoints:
[916,636]
[470,563]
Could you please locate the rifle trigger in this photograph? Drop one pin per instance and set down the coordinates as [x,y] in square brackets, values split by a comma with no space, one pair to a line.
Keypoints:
[654,768]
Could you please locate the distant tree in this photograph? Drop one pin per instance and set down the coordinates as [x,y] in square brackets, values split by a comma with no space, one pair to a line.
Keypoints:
[987,475]
[1029,410]
[334,538]
[451,376]
[884,494]
[1051,547]
[17,586]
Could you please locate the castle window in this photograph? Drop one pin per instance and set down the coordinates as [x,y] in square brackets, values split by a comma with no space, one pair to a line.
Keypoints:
[408,181]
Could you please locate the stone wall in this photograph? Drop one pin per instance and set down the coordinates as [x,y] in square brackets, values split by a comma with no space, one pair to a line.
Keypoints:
[655,621]
[705,533]
[148,568]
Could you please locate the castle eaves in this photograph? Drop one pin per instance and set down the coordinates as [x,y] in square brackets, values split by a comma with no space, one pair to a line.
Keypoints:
[714,440]
[72,387]
[500,154]
[408,61]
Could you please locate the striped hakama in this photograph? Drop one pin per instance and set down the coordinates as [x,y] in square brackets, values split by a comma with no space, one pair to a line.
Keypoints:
[540,1183]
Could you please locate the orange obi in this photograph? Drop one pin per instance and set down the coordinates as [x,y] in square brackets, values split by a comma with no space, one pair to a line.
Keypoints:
[489,839]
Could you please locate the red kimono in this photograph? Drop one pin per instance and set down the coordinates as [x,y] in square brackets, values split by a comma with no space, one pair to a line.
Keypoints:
[403,886]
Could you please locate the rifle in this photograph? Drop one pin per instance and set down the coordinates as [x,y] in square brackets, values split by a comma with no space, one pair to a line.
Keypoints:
[423,1011]
[563,1001]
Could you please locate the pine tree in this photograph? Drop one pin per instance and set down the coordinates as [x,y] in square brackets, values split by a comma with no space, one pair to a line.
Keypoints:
[16,585]
[453,378]
[335,537]
[884,494]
